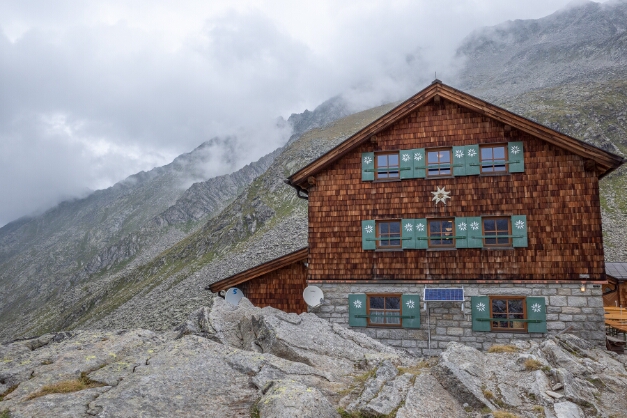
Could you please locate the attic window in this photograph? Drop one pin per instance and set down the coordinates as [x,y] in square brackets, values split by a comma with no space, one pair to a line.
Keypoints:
[387,166]
[439,162]
[493,158]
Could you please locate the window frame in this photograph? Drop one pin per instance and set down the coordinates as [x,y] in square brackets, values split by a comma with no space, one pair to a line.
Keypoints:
[436,246]
[379,241]
[492,166]
[508,328]
[509,232]
[390,169]
[428,164]
[385,295]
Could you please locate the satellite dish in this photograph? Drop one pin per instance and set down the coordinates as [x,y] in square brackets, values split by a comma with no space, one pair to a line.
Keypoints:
[313,296]
[233,296]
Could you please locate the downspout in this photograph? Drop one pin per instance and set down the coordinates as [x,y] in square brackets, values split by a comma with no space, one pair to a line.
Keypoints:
[298,190]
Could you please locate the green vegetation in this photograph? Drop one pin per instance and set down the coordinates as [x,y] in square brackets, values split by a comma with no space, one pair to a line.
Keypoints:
[66,386]
[532,364]
[6,392]
[502,349]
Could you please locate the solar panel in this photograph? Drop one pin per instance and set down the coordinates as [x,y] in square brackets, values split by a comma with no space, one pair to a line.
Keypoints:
[450,295]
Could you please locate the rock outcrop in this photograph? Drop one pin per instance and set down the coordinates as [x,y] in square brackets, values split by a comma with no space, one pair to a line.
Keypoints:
[228,361]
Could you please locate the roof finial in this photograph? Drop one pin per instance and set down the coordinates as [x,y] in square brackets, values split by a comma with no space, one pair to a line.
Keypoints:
[435,81]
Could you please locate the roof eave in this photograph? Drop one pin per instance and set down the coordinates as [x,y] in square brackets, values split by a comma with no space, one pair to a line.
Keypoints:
[260,270]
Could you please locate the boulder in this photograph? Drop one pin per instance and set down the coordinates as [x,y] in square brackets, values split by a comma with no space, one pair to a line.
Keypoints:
[427,399]
[289,399]
[568,410]
[460,372]
[389,397]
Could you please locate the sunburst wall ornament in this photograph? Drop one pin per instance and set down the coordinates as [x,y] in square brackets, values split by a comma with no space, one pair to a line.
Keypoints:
[440,195]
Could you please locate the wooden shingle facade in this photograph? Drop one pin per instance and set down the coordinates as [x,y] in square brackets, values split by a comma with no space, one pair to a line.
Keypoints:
[447,191]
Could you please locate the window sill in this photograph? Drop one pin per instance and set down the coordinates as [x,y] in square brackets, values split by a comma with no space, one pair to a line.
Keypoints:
[388,250]
[442,249]
[386,180]
[519,331]
[498,248]
[494,174]
[439,177]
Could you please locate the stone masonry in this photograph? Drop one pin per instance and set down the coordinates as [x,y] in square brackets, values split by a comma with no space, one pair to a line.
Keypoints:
[566,305]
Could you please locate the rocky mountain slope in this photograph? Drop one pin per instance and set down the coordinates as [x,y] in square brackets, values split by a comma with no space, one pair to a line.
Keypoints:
[227,361]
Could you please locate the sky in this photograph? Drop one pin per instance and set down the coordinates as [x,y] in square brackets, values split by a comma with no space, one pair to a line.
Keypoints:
[94,91]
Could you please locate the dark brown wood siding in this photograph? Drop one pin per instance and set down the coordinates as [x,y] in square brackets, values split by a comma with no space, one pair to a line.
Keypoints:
[281,288]
[558,196]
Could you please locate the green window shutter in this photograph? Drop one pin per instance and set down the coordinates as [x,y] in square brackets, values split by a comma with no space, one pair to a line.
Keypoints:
[410,307]
[367,166]
[459,161]
[516,157]
[519,229]
[475,231]
[357,307]
[471,153]
[536,309]
[408,227]
[407,164]
[420,228]
[368,235]
[419,163]
[461,233]
[480,309]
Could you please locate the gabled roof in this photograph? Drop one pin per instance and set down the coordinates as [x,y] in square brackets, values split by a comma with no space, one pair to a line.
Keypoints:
[616,270]
[270,266]
[606,161]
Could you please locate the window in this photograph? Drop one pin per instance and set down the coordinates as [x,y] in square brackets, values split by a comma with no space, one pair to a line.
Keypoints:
[387,166]
[388,234]
[510,308]
[493,159]
[384,310]
[509,313]
[500,228]
[439,163]
[441,233]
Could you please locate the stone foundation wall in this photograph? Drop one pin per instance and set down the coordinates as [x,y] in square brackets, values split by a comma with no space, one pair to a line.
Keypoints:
[566,306]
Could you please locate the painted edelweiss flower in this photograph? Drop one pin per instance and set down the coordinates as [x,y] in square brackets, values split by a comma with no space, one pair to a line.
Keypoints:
[357,304]
[369,229]
[474,226]
[481,306]
[410,304]
[409,227]
[515,149]
[440,195]
[459,153]
[420,227]
[462,226]
[520,224]
[417,157]
[536,307]
[471,152]
[367,160]
[405,157]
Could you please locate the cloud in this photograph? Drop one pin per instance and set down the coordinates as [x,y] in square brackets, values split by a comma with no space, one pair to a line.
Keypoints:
[93,92]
